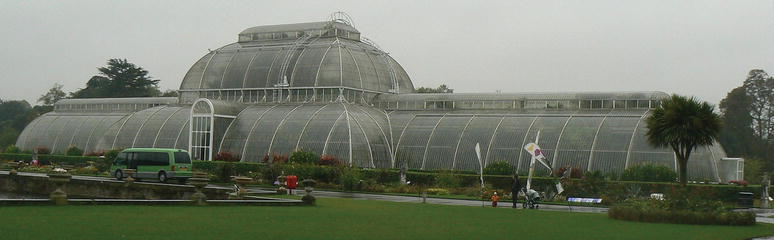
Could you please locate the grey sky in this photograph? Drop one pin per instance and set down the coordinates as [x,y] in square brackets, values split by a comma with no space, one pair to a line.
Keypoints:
[702,48]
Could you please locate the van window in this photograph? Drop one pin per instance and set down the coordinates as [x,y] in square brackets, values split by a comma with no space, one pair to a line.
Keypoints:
[121,159]
[182,157]
[152,159]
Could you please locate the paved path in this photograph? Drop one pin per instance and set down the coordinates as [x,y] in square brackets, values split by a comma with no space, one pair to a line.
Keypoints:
[458,202]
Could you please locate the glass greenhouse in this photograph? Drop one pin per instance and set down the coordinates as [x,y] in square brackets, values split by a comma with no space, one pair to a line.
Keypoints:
[323,87]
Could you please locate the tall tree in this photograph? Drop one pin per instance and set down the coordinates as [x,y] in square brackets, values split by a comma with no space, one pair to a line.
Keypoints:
[736,137]
[683,124]
[759,86]
[119,78]
[53,95]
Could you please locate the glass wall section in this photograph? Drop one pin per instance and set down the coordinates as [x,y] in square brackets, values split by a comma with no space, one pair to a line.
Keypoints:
[130,129]
[612,144]
[305,71]
[330,70]
[550,128]
[338,140]
[480,130]
[366,66]
[170,129]
[412,143]
[361,143]
[192,79]
[235,72]
[349,69]
[182,137]
[62,138]
[379,147]
[319,127]
[260,136]
[81,136]
[576,142]
[237,133]
[443,142]
[258,72]
[509,139]
[213,74]
[642,153]
[397,123]
[149,130]
[287,135]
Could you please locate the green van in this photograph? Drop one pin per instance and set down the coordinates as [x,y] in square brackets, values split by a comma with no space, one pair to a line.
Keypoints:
[153,163]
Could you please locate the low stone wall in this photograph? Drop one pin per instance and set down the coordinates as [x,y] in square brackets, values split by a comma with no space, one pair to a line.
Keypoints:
[82,188]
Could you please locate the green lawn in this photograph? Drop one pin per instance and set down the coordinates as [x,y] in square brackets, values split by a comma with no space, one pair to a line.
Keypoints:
[338,219]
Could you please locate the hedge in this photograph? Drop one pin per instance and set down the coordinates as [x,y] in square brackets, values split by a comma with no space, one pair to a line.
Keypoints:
[630,213]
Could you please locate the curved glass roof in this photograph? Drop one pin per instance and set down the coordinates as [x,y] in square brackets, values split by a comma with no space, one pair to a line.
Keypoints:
[304,62]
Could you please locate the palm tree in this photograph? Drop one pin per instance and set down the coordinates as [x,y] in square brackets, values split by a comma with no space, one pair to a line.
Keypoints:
[683,124]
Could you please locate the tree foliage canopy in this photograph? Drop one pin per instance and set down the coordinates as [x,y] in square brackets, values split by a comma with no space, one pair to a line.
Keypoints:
[53,95]
[683,124]
[119,78]
[748,120]
[440,89]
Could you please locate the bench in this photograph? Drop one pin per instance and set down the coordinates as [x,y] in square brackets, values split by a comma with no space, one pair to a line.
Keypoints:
[571,200]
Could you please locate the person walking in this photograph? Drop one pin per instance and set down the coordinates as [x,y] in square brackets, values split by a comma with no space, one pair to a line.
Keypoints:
[515,188]
[495,199]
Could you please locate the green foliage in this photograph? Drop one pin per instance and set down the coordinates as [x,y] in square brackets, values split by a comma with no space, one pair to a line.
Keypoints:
[440,89]
[73,151]
[499,168]
[753,170]
[649,173]
[304,157]
[683,206]
[12,149]
[350,178]
[682,124]
[112,154]
[119,78]
[448,179]
[53,95]
[42,150]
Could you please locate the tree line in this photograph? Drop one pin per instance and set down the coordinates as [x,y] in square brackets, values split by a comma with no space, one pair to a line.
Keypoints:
[118,78]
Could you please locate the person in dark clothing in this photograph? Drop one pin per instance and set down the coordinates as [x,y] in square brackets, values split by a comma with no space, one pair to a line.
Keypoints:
[515,188]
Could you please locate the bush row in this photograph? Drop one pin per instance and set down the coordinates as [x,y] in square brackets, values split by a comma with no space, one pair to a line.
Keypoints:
[681,216]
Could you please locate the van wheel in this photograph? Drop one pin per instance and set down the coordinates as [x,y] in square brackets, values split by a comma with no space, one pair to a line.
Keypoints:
[162,177]
[119,175]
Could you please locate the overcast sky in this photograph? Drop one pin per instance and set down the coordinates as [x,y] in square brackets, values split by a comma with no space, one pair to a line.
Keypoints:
[702,48]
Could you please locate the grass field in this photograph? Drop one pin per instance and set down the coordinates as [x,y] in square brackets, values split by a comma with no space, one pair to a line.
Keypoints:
[338,219]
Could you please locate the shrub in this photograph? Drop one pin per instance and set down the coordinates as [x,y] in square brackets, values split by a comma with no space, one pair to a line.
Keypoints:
[652,211]
[329,160]
[226,157]
[448,179]
[279,159]
[575,172]
[112,154]
[303,157]
[42,150]
[649,173]
[73,151]
[498,168]
[350,178]
[12,149]
[437,191]
[742,183]
[95,153]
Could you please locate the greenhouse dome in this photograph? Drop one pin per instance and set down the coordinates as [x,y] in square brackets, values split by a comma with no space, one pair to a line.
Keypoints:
[323,87]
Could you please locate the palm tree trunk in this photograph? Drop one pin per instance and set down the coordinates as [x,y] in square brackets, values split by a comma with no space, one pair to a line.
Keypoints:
[683,171]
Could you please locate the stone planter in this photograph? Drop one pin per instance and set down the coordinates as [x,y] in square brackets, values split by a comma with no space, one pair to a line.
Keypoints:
[199,181]
[59,196]
[242,191]
[308,198]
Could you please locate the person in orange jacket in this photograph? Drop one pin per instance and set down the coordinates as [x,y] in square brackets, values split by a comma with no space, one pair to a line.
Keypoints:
[495,199]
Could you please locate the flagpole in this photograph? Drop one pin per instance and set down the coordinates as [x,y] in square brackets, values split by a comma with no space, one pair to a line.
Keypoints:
[532,165]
